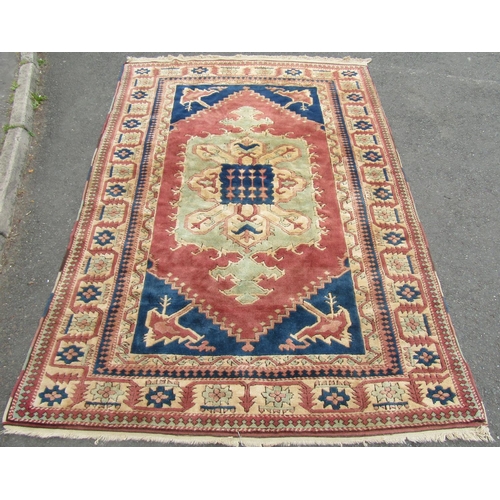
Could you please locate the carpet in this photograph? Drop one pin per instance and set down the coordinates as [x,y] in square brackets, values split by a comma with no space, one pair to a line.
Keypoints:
[247,268]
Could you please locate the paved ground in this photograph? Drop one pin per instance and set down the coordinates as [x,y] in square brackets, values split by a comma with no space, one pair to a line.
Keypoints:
[8,71]
[443,110]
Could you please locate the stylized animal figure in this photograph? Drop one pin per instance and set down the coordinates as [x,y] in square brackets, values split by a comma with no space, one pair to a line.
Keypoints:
[196,95]
[332,327]
[302,96]
[165,328]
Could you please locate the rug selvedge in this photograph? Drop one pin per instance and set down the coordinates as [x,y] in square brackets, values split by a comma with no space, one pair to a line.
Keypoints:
[247,261]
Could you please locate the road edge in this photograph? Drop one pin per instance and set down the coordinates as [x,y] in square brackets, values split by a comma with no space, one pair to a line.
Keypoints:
[13,156]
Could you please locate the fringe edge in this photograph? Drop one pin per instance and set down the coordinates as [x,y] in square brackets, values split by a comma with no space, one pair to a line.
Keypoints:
[433,436]
[252,57]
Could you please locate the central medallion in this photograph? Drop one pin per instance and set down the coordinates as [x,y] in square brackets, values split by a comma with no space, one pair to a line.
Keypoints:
[254,194]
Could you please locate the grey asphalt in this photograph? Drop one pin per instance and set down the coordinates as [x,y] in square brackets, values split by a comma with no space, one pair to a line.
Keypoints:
[443,110]
[9,62]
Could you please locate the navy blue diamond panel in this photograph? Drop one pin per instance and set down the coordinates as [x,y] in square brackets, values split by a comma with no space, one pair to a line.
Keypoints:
[246,185]
[301,100]
[155,291]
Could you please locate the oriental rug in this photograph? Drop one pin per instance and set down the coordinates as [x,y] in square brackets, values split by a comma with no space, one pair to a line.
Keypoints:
[247,268]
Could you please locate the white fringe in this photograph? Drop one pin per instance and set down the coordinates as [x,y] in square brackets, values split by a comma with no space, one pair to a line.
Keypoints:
[434,436]
[252,57]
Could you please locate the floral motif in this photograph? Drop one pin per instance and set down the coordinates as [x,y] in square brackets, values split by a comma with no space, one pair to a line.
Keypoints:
[142,71]
[385,214]
[53,396]
[363,125]
[413,323]
[89,293]
[426,357]
[278,396]
[441,395]
[397,263]
[82,323]
[116,190]
[217,395]
[394,238]
[104,237]
[293,72]
[372,156]
[334,397]
[113,212]
[199,70]
[139,94]
[388,392]
[355,97]
[70,354]
[365,139]
[383,193]
[122,171]
[349,73]
[132,123]
[160,396]
[408,293]
[107,392]
[100,265]
[374,174]
[124,153]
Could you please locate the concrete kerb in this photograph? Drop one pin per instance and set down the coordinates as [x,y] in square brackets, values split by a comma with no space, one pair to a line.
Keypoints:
[15,147]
